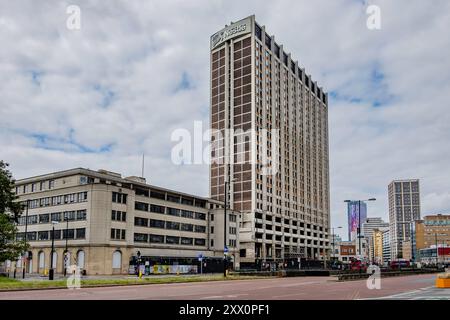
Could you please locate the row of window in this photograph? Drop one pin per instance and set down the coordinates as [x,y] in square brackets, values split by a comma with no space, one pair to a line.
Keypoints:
[156,238]
[171,198]
[78,215]
[170,225]
[284,58]
[37,186]
[142,206]
[47,235]
[56,200]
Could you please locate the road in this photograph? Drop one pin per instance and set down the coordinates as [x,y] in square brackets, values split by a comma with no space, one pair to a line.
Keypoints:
[298,288]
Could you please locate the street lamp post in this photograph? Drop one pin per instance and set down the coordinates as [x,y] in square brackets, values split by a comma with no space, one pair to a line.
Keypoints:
[26,231]
[437,250]
[66,250]
[225,227]
[51,271]
[359,222]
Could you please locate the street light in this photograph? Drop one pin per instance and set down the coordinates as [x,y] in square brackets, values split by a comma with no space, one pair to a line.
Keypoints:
[225,228]
[334,239]
[359,219]
[51,272]
[26,231]
[437,250]
[66,250]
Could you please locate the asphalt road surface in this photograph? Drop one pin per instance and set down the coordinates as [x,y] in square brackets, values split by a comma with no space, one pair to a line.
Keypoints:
[295,288]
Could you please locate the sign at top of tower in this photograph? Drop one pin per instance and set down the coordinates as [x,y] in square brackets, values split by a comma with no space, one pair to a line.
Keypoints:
[236,29]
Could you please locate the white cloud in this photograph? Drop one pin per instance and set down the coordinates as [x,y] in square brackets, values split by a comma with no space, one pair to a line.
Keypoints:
[114,83]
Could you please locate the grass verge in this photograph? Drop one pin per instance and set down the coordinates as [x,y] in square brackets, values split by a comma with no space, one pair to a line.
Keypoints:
[14,284]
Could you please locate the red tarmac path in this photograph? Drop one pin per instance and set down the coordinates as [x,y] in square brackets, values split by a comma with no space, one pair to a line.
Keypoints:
[295,288]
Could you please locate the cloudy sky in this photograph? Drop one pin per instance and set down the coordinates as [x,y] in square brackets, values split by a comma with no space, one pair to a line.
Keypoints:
[101,96]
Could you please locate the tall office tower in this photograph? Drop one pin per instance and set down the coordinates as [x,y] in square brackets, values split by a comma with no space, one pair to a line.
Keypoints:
[270,142]
[353,215]
[368,228]
[404,209]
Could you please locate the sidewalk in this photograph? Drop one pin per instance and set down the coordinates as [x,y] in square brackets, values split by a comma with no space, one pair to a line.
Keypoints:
[37,277]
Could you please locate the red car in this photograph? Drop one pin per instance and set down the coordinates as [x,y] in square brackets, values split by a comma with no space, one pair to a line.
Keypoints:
[358,265]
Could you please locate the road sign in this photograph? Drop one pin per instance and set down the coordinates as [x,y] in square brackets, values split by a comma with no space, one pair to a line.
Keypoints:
[225,250]
[200,257]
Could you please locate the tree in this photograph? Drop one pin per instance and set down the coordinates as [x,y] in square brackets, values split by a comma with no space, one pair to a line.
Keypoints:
[10,210]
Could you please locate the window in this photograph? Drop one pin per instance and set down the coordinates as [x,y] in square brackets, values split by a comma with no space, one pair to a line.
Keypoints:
[81,215]
[118,234]
[189,202]
[51,184]
[201,229]
[80,259]
[69,215]
[186,241]
[68,233]
[82,196]
[173,198]
[118,215]
[173,212]
[157,195]
[142,222]
[81,233]
[140,237]
[200,242]
[187,227]
[172,240]
[156,238]
[56,216]
[212,229]
[157,223]
[141,206]
[142,192]
[232,218]
[200,216]
[119,197]
[43,235]
[157,209]
[32,219]
[57,234]
[212,242]
[172,225]
[211,217]
[31,236]
[41,261]
[187,214]
[117,260]
[200,203]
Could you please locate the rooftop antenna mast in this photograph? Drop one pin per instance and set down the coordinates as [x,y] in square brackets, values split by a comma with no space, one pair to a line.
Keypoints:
[143,159]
